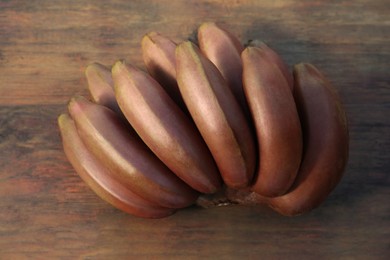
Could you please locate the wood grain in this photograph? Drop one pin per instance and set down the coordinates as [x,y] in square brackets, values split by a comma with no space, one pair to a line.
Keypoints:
[47,212]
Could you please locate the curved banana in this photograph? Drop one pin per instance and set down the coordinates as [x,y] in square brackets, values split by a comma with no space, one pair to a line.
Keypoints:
[276,121]
[96,176]
[223,49]
[101,86]
[127,157]
[217,115]
[158,53]
[325,138]
[168,132]
[275,58]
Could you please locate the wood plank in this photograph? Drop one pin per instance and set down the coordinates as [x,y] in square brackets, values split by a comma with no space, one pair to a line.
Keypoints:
[43,62]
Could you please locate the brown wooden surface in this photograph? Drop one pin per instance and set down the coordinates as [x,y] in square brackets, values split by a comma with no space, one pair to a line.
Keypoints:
[46,211]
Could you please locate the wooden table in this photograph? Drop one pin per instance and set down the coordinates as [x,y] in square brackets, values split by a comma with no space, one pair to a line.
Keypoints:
[47,212]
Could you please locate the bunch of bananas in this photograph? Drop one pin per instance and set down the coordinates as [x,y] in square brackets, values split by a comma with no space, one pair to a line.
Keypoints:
[207,117]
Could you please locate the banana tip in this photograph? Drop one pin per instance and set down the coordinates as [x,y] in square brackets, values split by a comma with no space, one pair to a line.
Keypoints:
[62,119]
[256,43]
[186,46]
[206,25]
[76,104]
[118,67]
[150,37]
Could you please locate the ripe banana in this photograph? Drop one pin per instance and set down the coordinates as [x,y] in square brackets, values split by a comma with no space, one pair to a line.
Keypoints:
[217,115]
[101,86]
[158,53]
[96,176]
[127,158]
[325,139]
[200,116]
[168,132]
[276,121]
[275,58]
[223,49]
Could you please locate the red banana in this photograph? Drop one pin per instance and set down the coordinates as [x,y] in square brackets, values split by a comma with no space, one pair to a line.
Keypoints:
[276,121]
[168,132]
[325,139]
[223,49]
[217,115]
[96,176]
[275,58]
[158,53]
[127,158]
[101,86]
